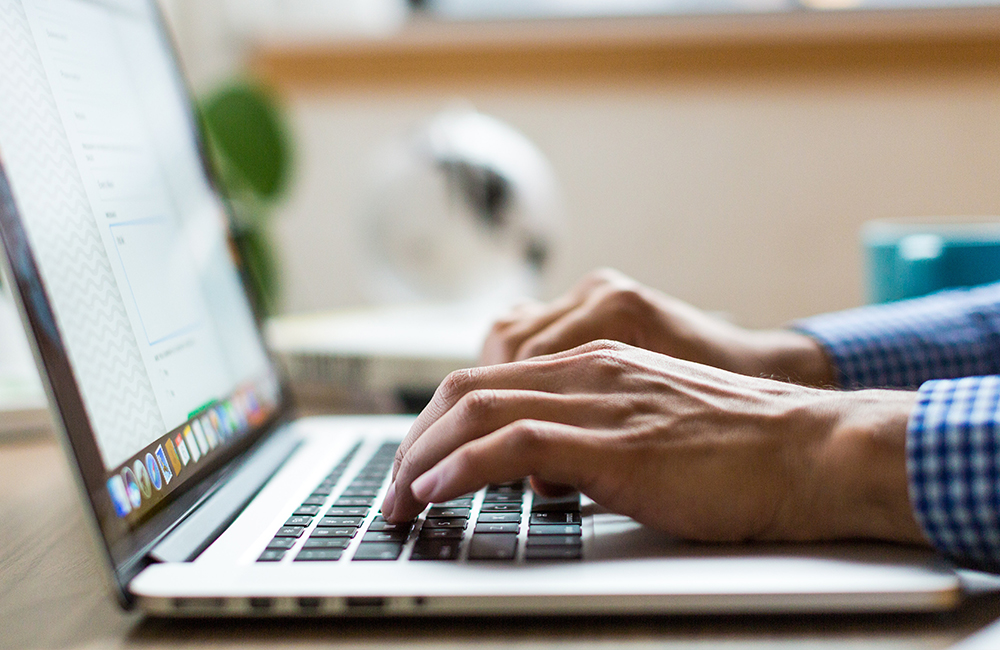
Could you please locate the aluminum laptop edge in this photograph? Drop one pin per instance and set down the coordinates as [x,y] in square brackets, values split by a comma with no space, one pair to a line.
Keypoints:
[179,428]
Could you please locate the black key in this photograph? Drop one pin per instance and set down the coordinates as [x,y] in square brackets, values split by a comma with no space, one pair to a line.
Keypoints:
[319,555]
[382,525]
[503,498]
[322,490]
[298,521]
[315,500]
[445,523]
[385,536]
[555,518]
[501,507]
[334,532]
[360,492]
[386,551]
[441,533]
[307,511]
[554,553]
[561,529]
[499,518]
[444,549]
[438,511]
[354,501]
[340,521]
[328,542]
[554,540]
[344,511]
[271,555]
[567,503]
[281,543]
[493,547]
[491,529]
[289,531]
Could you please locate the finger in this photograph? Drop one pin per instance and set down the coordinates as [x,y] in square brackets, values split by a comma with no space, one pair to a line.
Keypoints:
[536,374]
[575,328]
[554,452]
[555,373]
[508,334]
[480,413]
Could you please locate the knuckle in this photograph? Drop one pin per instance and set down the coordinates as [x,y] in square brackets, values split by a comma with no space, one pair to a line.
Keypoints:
[478,403]
[406,468]
[458,383]
[629,302]
[527,437]
[604,349]
[607,357]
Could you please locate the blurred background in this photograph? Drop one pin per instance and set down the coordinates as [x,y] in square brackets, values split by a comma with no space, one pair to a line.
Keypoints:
[726,152]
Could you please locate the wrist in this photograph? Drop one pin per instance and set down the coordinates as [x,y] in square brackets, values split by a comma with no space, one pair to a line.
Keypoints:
[792,356]
[858,485]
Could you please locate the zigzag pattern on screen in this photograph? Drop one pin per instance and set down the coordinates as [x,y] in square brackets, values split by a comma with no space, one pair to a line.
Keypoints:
[77,272]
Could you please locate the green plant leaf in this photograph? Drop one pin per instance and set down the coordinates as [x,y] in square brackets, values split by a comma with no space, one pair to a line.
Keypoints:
[246,130]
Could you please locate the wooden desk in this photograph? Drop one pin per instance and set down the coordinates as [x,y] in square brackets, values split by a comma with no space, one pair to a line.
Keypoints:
[52,596]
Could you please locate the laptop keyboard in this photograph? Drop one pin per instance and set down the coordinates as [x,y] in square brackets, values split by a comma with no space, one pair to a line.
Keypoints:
[499,523]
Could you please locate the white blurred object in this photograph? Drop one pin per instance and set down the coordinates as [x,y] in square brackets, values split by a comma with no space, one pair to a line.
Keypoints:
[278,20]
[379,350]
[464,210]
[23,407]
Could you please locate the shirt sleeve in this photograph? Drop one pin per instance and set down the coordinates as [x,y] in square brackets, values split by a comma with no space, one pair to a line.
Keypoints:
[903,344]
[953,465]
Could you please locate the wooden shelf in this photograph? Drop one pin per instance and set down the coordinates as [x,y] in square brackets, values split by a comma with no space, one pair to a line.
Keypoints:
[639,50]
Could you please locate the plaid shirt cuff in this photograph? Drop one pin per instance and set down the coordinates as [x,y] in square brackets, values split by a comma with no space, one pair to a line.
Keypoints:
[903,344]
[953,464]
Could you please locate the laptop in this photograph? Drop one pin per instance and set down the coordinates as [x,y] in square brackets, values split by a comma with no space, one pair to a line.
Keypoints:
[207,496]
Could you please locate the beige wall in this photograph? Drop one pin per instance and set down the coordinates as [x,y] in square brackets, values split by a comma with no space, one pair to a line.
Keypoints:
[738,194]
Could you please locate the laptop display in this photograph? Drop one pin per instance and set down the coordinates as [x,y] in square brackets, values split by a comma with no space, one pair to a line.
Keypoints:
[119,246]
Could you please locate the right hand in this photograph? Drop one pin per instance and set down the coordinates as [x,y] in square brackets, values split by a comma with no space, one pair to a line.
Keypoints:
[694,451]
[607,304]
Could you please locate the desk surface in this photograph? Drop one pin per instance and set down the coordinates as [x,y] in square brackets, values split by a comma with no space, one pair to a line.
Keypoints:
[52,596]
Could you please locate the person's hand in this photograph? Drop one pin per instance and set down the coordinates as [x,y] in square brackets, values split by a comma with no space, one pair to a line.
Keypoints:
[695,451]
[609,305]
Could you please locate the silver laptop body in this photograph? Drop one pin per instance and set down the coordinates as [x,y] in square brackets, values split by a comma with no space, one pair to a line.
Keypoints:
[206,497]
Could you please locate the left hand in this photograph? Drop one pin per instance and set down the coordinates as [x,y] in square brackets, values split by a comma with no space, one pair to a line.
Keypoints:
[695,451]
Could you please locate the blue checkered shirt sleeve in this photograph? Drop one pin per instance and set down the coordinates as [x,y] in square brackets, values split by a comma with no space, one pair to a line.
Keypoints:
[947,344]
[903,344]
[953,463]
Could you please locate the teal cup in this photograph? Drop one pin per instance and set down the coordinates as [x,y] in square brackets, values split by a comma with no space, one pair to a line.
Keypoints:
[908,258]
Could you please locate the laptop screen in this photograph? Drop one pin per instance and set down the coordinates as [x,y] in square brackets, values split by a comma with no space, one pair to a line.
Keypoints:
[121,250]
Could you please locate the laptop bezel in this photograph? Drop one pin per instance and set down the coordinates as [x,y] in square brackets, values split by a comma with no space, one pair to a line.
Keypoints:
[124,548]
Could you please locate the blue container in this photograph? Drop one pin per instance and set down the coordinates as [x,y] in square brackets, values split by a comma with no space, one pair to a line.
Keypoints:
[914,257]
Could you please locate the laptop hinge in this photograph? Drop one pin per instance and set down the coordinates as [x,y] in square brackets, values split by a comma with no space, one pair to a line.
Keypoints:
[204,525]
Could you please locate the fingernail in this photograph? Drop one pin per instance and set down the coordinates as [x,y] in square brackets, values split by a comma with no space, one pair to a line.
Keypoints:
[425,484]
[389,501]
